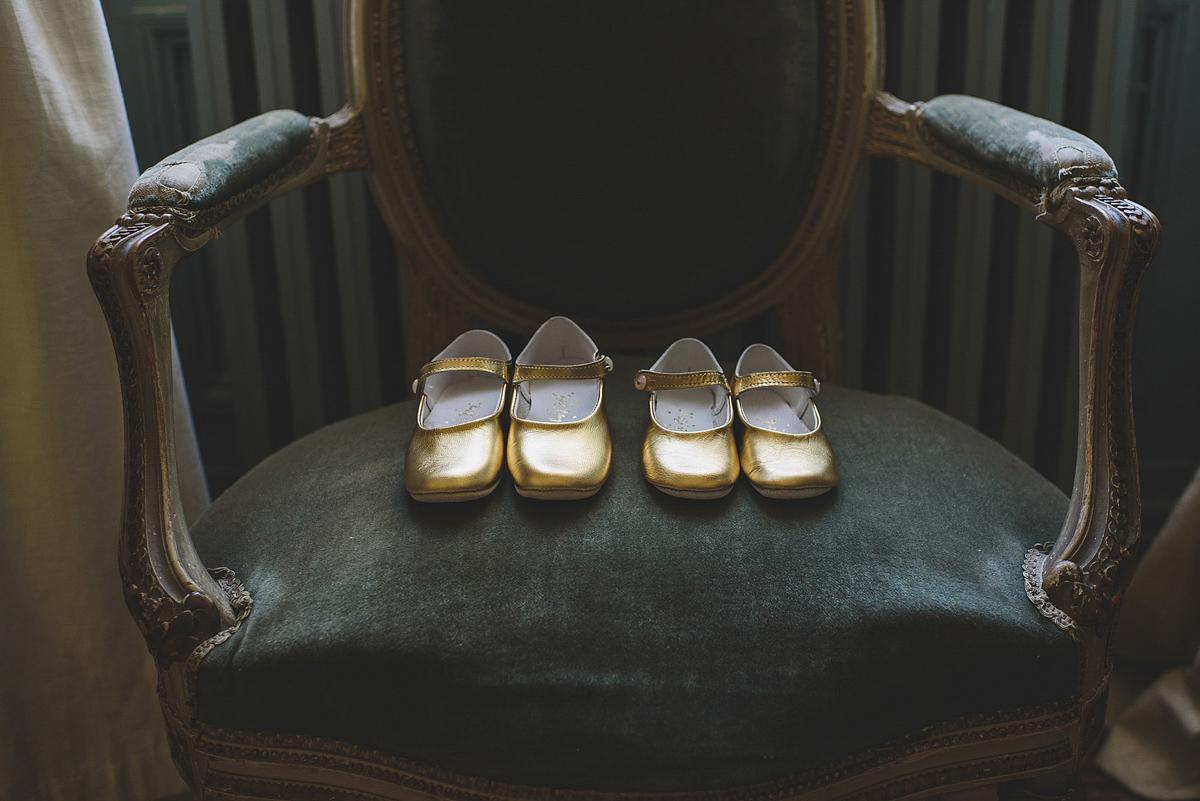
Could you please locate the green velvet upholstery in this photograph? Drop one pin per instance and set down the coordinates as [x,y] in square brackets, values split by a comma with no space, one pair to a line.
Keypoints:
[549,156]
[1022,146]
[213,171]
[635,641]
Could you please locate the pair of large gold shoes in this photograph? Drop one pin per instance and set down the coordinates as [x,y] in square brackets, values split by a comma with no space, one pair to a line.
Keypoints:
[558,446]
[690,450]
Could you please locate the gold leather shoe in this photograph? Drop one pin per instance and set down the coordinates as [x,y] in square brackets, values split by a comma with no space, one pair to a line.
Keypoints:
[785,453]
[689,449]
[558,441]
[457,449]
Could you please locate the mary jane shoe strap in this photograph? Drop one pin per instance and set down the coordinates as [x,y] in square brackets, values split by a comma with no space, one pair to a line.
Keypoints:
[779,378]
[480,364]
[650,381]
[599,368]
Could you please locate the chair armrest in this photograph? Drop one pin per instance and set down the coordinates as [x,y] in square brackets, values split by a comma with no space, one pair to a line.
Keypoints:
[225,176]
[176,207]
[1070,183]
[1026,148]
[215,172]
[1024,158]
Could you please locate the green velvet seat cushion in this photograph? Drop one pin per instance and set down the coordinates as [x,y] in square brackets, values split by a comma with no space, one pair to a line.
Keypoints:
[214,170]
[1017,144]
[635,641]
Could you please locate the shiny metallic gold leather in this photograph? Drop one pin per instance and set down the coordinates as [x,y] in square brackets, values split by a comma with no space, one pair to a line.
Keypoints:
[690,464]
[561,461]
[782,465]
[456,463]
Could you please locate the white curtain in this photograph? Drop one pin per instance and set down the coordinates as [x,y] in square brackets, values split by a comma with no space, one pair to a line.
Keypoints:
[79,718]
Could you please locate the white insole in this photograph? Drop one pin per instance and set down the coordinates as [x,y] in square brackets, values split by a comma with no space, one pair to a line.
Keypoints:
[463,398]
[699,409]
[556,401]
[767,409]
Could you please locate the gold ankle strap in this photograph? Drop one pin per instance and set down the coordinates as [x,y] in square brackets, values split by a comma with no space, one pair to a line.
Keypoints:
[599,368]
[781,378]
[650,381]
[479,364]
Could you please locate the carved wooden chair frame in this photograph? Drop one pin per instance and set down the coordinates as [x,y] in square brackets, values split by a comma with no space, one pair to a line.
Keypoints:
[184,609]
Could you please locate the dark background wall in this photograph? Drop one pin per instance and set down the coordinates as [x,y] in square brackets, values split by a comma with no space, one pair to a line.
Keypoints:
[295,318]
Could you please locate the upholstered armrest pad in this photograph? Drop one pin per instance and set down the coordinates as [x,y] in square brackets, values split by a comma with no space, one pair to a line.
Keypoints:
[1016,144]
[214,171]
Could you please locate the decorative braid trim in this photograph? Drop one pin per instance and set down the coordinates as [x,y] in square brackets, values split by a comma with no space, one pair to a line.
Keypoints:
[1035,564]
[242,604]
[323,754]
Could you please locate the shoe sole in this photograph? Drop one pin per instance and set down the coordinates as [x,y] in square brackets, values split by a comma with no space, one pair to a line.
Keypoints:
[699,495]
[571,494]
[788,494]
[455,496]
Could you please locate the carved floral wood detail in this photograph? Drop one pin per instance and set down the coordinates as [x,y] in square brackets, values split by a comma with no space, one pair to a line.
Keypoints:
[128,272]
[1090,566]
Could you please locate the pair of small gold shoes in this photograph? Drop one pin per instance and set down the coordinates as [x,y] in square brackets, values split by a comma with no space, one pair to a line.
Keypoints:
[558,445]
[689,449]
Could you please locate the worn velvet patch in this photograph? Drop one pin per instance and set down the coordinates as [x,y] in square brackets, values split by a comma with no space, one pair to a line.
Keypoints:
[635,641]
[1017,144]
[207,173]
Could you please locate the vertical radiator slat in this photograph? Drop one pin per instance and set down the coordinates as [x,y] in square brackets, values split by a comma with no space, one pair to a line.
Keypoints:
[983,69]
[272,63]
[348,202]
[914,192]
[1027,345]
[1115,40]
[229,257]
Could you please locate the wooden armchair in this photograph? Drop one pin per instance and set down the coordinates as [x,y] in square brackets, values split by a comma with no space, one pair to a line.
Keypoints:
[938,622]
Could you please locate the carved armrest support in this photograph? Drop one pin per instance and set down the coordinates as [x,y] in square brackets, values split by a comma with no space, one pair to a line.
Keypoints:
[175,208]
[172,598]
[1086,570]
[1070,183]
